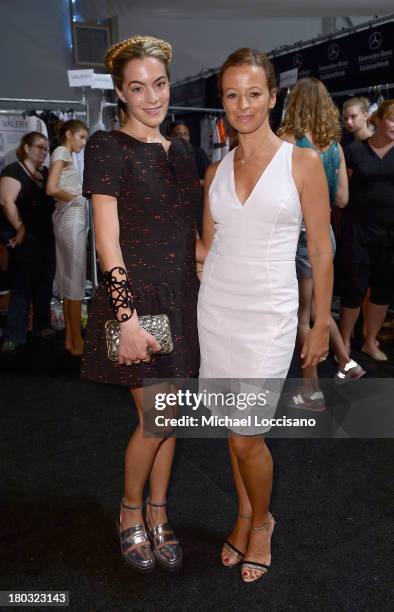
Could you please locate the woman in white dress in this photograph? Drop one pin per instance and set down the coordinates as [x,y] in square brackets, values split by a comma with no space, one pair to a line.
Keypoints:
[248,301]
[70,224]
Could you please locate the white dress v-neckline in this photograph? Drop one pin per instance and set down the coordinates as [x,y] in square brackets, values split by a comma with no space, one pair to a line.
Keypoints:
[258,180]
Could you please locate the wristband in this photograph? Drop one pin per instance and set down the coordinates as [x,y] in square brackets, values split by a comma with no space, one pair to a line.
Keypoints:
[119,293]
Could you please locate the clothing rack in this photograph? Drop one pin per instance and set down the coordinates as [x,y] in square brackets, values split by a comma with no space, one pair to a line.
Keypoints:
[195,109]
[82,102]
[184,109]
[18,111]
[23,105]
[371,89]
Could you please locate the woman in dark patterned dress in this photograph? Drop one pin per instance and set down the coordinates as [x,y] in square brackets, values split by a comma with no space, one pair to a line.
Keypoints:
[144,191]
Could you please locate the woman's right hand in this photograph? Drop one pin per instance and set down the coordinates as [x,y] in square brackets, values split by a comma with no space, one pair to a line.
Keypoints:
[71,197]
[199,270]
[135,344]
[18,238]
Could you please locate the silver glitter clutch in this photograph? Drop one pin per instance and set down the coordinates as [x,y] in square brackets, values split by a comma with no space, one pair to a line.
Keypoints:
[157,325]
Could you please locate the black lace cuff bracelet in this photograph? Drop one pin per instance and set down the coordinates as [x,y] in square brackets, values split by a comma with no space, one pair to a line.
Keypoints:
[119,293]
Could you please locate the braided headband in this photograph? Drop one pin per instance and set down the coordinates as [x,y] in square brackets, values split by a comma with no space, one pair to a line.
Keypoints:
[136,41]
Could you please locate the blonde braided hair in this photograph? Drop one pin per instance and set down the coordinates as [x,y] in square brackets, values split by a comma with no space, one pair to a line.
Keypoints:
[136,47]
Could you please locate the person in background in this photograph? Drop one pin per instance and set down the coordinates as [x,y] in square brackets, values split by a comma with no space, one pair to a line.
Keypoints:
[4,276]
[368,230]
[28,210]
[70,221]
[179,129]
[311,120]
[355,117]
[6,232]
[122,114]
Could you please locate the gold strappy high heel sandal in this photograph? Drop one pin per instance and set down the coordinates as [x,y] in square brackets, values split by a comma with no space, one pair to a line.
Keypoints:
[235,555]
[255,566]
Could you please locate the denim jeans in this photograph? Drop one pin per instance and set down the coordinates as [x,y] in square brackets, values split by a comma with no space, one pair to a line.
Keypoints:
[32,268]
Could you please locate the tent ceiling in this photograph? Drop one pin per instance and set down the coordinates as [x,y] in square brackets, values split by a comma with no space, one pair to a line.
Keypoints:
[102,9]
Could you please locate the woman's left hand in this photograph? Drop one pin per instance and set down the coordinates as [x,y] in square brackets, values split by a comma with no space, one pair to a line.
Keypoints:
[316,346]
[18,238]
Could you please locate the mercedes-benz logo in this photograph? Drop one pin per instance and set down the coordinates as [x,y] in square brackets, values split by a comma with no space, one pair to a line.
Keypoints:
[333,51]
[375,40]
[297,60]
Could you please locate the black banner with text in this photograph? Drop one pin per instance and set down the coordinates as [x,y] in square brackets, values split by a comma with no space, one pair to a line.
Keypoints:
[361,59]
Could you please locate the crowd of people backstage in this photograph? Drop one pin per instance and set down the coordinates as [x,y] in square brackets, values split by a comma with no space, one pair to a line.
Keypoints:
[364,226]
[44,229]
[367,232]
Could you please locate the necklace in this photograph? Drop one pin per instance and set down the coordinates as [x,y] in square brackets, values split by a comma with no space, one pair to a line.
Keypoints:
[252,156]
[243,160]
[37,178]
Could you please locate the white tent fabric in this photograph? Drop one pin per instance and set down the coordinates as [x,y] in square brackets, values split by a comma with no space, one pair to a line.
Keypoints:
[103,9]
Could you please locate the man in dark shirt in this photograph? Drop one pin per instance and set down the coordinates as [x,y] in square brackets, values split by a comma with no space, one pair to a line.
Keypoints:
[179,129]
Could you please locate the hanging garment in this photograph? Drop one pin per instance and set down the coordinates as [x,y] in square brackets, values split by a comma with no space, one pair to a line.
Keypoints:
[12,129]
[208,129]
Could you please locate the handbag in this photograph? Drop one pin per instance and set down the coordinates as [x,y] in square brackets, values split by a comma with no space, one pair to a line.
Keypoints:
[157,325]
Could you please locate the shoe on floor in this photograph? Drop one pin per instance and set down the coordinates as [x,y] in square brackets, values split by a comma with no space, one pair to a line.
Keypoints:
[386,334]
[351,371]
[314,402]
[9,348]
[375,354]
[46,334]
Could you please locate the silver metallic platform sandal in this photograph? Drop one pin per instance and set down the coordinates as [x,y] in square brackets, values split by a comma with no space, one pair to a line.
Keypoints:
[166,548]
[235,555]
[135,547]
[254,566]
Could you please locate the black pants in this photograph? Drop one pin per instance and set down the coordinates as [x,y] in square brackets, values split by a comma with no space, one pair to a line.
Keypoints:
[378,274]
[31,268]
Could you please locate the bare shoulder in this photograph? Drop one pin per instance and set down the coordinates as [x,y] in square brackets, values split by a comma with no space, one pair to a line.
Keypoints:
[307,166]
[210,172]
[306,160]
[341,151]
[305,154]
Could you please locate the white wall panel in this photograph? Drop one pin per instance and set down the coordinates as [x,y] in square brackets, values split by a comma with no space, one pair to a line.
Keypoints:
[101,9]
[35,44]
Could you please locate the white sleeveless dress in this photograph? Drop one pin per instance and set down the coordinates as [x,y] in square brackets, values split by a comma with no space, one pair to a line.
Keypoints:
[248,300]
[70,227]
